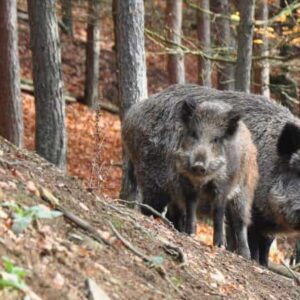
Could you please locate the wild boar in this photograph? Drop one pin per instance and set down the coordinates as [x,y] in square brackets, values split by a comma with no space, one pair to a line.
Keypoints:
[193,157]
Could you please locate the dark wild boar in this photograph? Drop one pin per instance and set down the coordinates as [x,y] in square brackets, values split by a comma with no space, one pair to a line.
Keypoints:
[194,158]
[276,134]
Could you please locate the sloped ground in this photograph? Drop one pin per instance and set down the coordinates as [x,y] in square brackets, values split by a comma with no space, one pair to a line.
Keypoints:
[61,256]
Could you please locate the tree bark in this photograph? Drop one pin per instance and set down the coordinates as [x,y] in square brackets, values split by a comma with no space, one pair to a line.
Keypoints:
[175,64]
[132,71]
[67,15]
[11,119]
[204,35]
[262,68]
[224,41]
[244,41]
[91,93]
[48,84]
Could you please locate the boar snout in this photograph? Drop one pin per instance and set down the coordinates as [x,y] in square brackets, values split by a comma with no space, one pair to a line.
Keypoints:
[198,168]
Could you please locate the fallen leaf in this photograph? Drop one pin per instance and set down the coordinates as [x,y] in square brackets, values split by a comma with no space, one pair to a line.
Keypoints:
[58,281]
[217,276]
[31,187]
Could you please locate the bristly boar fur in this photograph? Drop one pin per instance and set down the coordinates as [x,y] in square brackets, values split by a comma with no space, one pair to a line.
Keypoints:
[193,157]
[276,134]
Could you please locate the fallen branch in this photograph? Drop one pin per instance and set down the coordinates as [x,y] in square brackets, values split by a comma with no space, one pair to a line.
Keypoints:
[296,267]
[160,269]
[283,271]
[295,277]
[48,197]
[128,245]
[155,212]
[174,250]
[11,164]
[27,87]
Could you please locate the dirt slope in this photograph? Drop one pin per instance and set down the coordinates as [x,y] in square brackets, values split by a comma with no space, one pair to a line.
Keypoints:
[61,256]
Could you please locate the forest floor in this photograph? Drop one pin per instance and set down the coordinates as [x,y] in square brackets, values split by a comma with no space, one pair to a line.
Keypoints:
[94,141]
[60,255]
[123,253]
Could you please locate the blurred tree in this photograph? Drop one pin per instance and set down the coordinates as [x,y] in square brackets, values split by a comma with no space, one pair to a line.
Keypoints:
[225,42]
[132,71]
[244,45]
[204,35]
[91,92]
[67,17]
[261,48]
[175,65]
[51,138]
[11,119]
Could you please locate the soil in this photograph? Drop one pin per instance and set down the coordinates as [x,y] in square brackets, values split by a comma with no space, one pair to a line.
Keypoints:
[61,257]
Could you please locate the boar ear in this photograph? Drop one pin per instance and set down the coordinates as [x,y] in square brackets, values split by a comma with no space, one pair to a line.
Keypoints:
[233,118]
[289,140]
[187,110]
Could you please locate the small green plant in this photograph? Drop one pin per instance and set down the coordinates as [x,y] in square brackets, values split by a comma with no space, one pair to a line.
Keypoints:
[156,261]
[118,224]
[177,281]
[12,276]
[24,216]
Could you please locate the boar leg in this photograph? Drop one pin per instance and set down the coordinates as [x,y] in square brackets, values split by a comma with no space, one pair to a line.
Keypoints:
[264,249]
[191,216]
[230,233]
[154,197]
[253,240]
[218,220]
[176,215]
[238,216]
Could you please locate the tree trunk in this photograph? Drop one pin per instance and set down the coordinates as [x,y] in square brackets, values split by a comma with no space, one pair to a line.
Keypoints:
[132,70]
[225,41]
[48,85]
[11,119]
[297,252]
[244,41]
[114,10]
[204,34]
[67,15]
[262,68]
[115,48]
[91,93]
[175,64]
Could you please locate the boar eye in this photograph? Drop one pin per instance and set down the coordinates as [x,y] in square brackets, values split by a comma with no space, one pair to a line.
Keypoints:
[216,140]
[194,134]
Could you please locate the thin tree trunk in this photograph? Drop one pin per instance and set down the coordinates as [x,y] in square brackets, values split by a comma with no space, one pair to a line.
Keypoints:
[132,71]
[262,68]
[48,85]
[244,52]
[115,48]
[175,64]
[11,119]
[225,41]
[297,251]
[114,10]
[67,15]
[92,55]
[204,35]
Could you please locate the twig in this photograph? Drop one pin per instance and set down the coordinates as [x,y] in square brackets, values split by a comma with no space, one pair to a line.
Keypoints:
[128,245]
[155,212]
[296,266]
[75,219]
[173,249]
[10,163]
[295,277]
[160,269]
